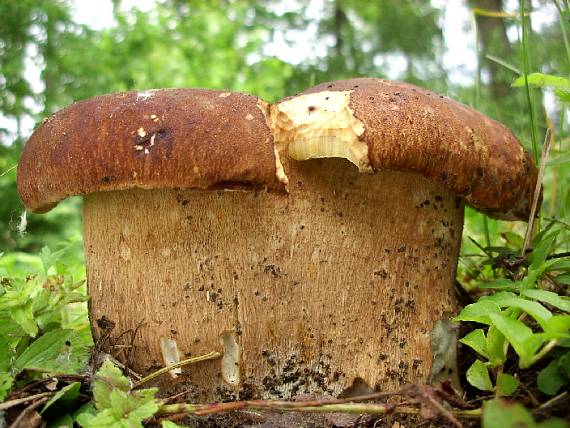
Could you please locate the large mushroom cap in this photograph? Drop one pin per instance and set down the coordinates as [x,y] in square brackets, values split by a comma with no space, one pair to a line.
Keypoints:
[400,127]
[187,138]
[203,139]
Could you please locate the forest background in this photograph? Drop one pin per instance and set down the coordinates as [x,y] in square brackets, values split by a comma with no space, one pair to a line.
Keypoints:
[509,59]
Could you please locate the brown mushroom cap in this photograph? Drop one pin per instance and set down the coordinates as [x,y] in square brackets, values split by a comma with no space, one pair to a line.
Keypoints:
[204,139]
[188,138]
[410,129]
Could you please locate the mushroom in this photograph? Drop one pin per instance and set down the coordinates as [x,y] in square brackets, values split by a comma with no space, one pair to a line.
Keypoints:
[330,281]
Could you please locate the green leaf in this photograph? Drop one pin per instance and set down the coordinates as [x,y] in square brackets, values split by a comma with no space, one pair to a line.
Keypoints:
[61,421]
[534,309]
[103,419]
[513,239]
[563,95]
[108,378]
[128,409]
[560,302]
[87,408]
[563,278]
[500,284]
[478,376]
[496,346]
[18,293]
[541,250]
[550,379]
[138,405]
[478,312]
[48,258]
[499,297]
[477,341]
[552,226]
[75,316]
[6,381]
[57,351]
[553,423]
[506,385]
[564,364]
[170,424]
[64,401]
[5,353]
[555,265]
[539,80]
[520,336]
[558,324]
[24,316]
[501,414]
[117,405]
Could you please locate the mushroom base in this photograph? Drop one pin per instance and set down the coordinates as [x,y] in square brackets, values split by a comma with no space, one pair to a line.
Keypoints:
[331,290]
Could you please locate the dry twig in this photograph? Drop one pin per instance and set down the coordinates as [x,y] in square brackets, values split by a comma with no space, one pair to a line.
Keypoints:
[209,356]
[536,196]
[350,405]
[12,403]
[21,420]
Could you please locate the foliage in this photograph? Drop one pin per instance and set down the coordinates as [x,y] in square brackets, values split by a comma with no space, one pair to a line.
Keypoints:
[522,294]
[514,304]
[169,424]
[116,405]
[365,35]
[41,33]
[43,317]
[561,85]
[522,301]
[555,375]
[61,401]
[501,414]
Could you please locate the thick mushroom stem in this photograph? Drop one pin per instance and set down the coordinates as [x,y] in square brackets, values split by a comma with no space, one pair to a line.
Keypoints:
[336,284]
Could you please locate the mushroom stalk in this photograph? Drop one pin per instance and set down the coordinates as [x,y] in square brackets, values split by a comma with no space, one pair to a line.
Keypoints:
[337,285]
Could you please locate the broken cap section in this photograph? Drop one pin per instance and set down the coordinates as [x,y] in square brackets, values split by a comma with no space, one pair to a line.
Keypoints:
[265,109]
[320,125]
[389,125]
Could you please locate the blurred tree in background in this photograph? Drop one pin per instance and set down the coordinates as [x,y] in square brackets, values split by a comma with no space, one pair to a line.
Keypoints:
[227,45]
[31,33]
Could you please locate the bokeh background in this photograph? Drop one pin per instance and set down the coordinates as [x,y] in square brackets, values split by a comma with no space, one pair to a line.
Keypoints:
[55,52]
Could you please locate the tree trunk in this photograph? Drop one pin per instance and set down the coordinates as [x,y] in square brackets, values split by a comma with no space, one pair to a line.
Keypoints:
[492,34]
[49,54]
[338,61]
